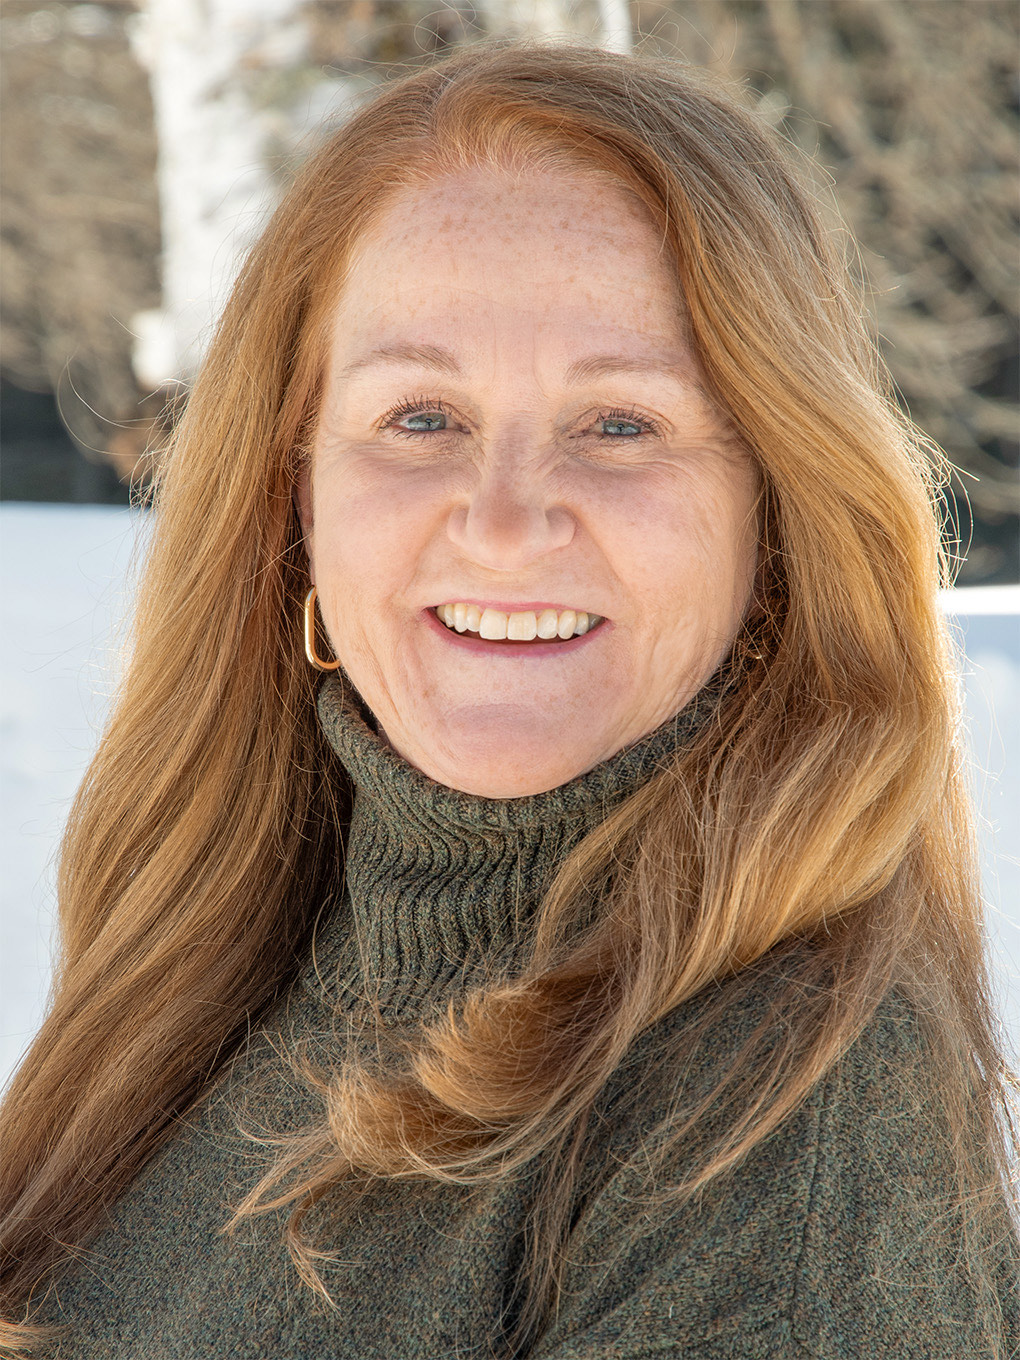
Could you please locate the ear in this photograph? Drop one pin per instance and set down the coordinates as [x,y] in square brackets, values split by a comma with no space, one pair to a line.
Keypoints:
[303,505]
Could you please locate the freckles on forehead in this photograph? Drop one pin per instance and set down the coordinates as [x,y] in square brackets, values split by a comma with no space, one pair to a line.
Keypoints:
[456,206]
[510,240]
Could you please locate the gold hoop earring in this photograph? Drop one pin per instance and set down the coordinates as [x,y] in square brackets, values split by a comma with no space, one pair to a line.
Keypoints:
[310,651]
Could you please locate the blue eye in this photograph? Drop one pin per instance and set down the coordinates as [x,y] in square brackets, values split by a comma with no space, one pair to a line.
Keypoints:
[420,415]
[428,420]
[625,424]
[612,426]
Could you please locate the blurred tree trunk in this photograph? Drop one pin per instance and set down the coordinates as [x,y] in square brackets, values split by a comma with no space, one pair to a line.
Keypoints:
[215,67]
[607,21]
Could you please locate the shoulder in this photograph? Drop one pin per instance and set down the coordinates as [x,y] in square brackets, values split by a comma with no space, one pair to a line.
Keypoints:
[885,1252]
[836,1232]
[886,1082]
[884,1259]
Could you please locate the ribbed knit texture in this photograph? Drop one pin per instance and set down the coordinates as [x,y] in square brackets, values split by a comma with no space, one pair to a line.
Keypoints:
[830,1241]
[441,884]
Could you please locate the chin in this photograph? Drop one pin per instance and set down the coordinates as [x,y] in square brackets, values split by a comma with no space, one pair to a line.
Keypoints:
[497,783]
[498,754]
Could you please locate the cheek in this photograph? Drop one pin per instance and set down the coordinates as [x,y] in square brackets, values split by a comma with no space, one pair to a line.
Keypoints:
[725,515]
[369,532]
[690,546]
[693,526]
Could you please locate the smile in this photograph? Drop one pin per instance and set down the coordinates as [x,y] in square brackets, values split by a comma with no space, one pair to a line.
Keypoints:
[494,625]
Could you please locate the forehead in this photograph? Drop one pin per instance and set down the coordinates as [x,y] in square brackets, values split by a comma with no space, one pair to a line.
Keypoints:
[505,203]
[529,250]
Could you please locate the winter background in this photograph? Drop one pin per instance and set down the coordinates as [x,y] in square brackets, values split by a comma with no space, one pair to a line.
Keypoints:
[65,573]
[144,144]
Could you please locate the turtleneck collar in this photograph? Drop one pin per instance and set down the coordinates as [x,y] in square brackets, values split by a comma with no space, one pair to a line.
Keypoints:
[439,882]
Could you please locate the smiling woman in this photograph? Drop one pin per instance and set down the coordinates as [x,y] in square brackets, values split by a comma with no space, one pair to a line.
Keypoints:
[514,422]
[590,964]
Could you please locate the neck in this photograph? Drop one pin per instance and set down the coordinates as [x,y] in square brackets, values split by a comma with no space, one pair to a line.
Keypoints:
[441,884]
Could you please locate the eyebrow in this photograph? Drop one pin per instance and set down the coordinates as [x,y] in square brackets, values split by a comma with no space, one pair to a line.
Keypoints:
[594,366]
[426,356]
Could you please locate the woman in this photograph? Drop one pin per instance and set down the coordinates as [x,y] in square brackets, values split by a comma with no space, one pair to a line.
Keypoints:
[592,965]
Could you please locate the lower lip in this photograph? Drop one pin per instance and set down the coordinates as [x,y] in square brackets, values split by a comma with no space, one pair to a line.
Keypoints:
[471,642]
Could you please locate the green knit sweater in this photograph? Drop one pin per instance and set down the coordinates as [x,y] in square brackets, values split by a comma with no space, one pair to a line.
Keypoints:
[831,1240]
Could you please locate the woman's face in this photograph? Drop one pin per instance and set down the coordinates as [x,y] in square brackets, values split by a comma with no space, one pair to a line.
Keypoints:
[513,424]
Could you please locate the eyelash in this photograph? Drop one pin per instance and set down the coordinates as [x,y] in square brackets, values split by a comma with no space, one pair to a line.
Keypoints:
[424,405]
[415,407]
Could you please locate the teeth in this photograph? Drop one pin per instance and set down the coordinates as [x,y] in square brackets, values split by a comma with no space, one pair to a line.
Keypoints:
[492,624]
[547,623]
[523,626]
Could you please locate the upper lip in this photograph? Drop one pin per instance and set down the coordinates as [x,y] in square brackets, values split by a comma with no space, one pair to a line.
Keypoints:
[519,607]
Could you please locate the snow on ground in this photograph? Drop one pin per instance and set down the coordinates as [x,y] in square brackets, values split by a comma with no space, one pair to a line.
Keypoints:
[62,591]
[64,572]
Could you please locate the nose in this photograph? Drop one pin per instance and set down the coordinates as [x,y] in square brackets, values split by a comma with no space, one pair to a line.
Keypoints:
[510,520]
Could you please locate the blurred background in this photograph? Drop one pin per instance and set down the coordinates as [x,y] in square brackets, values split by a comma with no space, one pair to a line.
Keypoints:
[142,145]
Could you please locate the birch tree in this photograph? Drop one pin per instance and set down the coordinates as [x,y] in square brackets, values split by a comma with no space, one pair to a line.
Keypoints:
[208,61]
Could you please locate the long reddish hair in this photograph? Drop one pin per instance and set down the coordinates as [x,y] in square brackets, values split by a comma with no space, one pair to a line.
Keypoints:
[826,806]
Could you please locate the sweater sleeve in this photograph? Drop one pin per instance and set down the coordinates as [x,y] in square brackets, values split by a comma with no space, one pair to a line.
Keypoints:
[834,1240]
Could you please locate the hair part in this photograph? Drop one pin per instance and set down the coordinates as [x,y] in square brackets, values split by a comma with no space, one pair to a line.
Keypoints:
[824,814]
